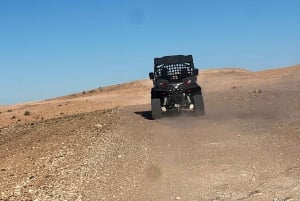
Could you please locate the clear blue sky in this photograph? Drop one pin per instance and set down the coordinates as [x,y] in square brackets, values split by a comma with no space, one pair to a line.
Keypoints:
[50,48]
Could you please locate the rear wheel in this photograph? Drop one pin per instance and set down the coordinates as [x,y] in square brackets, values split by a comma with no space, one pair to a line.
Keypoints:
[199,105]
[156,108]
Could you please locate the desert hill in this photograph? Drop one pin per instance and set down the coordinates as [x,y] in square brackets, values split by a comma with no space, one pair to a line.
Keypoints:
[101,144]
[137,92]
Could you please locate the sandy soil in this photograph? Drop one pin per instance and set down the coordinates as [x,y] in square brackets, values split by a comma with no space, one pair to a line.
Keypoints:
[102,144]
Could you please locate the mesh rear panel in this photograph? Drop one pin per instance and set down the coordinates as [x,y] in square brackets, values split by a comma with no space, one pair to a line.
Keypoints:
[173,72]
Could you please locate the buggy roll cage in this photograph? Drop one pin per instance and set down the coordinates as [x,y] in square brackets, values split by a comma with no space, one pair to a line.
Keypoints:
[173,68]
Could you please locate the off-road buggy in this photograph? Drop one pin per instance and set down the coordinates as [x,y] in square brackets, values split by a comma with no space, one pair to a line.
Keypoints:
[175,86]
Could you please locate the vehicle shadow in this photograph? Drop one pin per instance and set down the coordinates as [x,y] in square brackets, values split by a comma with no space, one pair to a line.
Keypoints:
[146,114]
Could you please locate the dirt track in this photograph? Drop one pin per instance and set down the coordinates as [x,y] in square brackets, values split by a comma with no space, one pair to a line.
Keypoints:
[246,147]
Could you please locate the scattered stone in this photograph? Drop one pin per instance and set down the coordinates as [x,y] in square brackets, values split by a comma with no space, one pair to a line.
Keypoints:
[3,194]
[79,198]
[99,125]
[288,199]
[255,193]
[255,91]
[178,198]
[26,113]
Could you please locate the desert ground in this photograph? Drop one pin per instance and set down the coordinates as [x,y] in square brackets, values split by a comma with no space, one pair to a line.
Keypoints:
[101,144]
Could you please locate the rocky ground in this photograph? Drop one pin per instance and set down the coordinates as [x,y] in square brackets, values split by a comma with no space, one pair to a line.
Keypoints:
[103,145]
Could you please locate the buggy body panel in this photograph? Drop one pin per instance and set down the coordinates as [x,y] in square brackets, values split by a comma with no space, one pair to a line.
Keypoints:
[175,82]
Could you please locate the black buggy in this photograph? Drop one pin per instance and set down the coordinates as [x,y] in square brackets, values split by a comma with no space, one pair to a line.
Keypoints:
[175,86]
